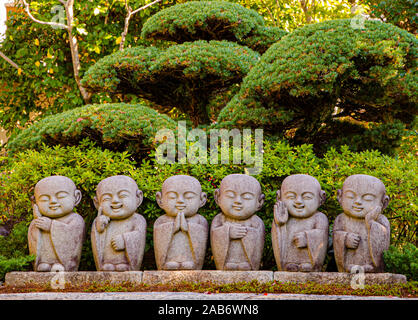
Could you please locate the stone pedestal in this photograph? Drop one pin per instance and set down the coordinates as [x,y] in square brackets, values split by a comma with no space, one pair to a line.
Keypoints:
[338,277]
[22,279]
[215,276]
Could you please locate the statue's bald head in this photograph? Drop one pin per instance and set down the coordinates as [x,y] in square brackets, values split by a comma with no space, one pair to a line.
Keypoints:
[115,183]
[298,180]
[181,182]
[53,183]
[240,182]
[365,182]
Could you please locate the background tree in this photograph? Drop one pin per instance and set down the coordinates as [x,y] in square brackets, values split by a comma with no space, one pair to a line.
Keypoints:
[292,14]
[402,13]
[46,84]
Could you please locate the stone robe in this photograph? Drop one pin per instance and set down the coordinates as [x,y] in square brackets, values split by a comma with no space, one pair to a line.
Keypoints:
[247,249]
[180,246]
[374,239]
[62,244]
[315,228]
[133,230]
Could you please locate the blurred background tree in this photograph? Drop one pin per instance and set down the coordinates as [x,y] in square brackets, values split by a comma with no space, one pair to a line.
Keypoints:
[401,13]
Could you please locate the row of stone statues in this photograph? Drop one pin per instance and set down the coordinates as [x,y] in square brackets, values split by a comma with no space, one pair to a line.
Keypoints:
[299,231]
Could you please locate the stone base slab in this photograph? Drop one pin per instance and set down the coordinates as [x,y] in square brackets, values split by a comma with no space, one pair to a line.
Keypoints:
[339,278]
[54,279]
[22,279]
[214,276]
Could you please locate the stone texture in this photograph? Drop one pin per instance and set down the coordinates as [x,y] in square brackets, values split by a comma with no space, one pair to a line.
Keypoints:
[214,276]
[164,296]
[118,232]
[237,234]
[56,234]
[361,233]
[299,231]
[21,279]
[338,277]
[180,235]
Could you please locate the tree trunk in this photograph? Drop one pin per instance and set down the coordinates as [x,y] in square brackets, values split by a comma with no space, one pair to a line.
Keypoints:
[69,10]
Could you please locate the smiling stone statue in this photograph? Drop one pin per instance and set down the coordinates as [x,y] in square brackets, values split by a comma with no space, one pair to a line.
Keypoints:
[56,234]
[361,233]
[237,234]
[180,236]
[118,232]
[299,230]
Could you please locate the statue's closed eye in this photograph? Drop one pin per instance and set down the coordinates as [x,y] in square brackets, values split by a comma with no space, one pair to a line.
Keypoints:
[44,198]
[247,196]
[62,194]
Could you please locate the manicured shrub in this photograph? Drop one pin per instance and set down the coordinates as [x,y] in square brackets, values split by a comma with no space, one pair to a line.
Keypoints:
[262,38]
[117,127]
[103,75]
[369,74]
[404,261]
[211,20]
[185,76]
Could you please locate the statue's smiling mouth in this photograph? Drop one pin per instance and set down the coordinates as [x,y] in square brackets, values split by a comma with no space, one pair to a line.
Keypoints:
[116,207]
[299,207]
[238,208]
[55,207]
[180,207]
[358,209]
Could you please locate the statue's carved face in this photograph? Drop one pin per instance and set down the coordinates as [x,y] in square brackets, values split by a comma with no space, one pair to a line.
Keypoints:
[360,194]
[56,196]
[239,196]
[302,195]
[118,197]
[181,194]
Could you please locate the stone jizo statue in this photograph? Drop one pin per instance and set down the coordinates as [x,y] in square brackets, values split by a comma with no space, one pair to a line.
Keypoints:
[118,232]
[361,233]
[237,234]
[180,235]
[56,234]
[299,230]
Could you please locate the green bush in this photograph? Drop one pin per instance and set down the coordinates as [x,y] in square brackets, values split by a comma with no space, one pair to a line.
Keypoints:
[369,75]
[212,20]
[263,38]
[87,165]
[404,261]
[103,75]
[117,127]
[185,76]
[202,20]
[14,251]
